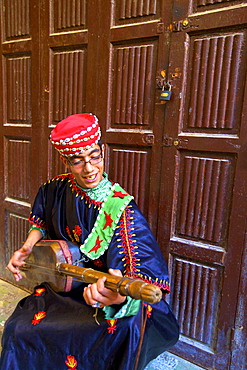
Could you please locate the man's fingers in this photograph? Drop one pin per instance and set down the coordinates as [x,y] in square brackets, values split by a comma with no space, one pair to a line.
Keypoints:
[115,272]
[93,298]
[15,271]
[18,276]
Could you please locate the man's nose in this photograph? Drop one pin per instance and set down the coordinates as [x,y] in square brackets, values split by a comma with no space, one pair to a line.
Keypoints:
[88,167]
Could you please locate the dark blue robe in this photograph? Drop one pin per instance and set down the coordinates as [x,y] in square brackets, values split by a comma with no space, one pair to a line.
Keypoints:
[51,330]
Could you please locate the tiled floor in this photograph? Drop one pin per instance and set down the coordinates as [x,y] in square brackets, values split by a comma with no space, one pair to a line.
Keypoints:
[168,361]
[10,295]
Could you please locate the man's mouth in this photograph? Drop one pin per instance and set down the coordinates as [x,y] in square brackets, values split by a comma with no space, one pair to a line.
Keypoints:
[91,177]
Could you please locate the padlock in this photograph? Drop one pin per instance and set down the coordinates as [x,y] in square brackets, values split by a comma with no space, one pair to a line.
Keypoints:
[166,93]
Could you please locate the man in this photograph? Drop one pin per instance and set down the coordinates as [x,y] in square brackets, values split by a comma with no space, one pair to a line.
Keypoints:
[61,331]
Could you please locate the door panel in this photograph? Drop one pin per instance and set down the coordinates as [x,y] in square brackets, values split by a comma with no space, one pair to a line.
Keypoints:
[19,111]
[204,141]
[63,48]
[137,44]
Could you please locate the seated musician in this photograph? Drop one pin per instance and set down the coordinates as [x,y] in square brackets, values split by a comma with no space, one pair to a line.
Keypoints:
[90,327]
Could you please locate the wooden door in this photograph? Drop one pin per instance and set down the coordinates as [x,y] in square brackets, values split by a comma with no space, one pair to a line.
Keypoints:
[203,203]
[183,160]
[137,47]
[73,57]
[20,120]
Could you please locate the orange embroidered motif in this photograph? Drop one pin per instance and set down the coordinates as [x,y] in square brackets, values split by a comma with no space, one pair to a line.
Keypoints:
[112,325]
[69,233]
[38,317]
[71,362]
[149,310]
[39,291]
[77,232]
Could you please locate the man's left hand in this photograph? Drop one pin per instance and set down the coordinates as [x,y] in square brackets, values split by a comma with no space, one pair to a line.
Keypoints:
[99,296]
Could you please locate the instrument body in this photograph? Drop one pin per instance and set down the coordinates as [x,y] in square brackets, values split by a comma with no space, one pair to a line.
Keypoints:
[58,263]
[41,265]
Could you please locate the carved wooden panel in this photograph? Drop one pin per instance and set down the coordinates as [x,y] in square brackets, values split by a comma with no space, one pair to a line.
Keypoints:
[68,82]
[215,85]
[16,227]
[17,169]
[16,19]
[129,168]
[137,8]
[133,75]
[18,87]
[205,191]
[132,11]
[204,4]
[205,121]
[68,15]
[195,293]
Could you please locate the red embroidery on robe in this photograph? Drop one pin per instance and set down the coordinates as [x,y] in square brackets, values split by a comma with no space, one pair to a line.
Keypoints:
[98,262]
[69,233]
[71,362]
[130,252]
[39,291]
[38,317]
[77,230]
[97,245]
[119,194]
[37,222]
[108,220]
[112,325]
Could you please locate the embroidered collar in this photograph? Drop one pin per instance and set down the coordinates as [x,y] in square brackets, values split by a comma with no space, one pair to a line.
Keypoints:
[100,192]
[80,192]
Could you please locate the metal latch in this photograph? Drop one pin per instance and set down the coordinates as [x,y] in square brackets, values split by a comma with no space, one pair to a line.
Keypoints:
[169,141]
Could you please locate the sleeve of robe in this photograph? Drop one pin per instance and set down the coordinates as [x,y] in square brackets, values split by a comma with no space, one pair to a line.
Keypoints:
[136,253]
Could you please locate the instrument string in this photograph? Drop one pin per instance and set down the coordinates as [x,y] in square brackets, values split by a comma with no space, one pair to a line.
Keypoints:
[49,269]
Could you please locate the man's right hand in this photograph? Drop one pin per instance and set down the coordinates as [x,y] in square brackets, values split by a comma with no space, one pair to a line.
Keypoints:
[17,260]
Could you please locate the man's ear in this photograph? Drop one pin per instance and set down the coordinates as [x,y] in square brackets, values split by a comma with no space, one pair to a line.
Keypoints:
[64,160]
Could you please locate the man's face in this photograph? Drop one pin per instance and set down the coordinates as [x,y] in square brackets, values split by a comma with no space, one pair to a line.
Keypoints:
[87,175]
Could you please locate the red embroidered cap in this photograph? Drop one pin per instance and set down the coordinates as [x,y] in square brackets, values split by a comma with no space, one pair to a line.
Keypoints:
[75,134]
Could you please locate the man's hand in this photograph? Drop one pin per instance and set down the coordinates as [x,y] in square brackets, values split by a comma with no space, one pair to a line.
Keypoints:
[97,293]
[21,254]
[17,260]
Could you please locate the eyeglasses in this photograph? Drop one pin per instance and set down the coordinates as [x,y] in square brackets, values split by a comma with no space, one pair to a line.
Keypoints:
[80,163]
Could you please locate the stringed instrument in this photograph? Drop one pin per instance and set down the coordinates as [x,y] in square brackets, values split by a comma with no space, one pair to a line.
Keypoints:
[59,263]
